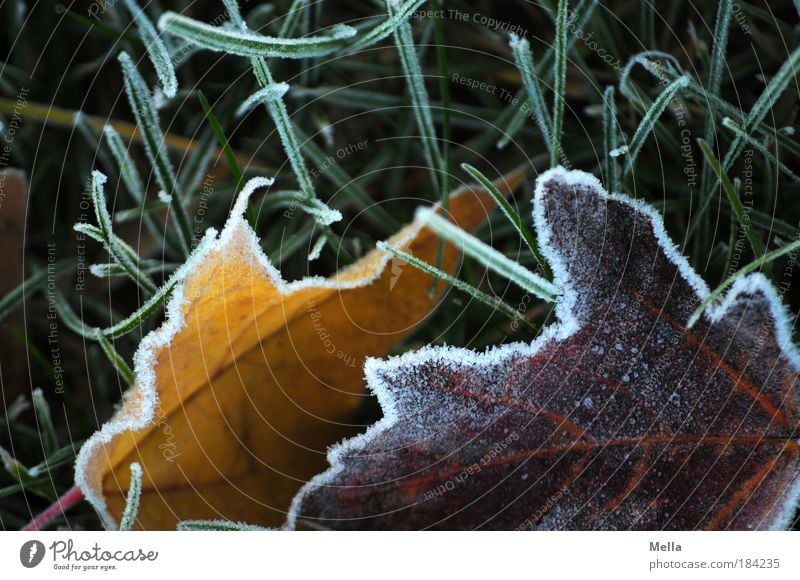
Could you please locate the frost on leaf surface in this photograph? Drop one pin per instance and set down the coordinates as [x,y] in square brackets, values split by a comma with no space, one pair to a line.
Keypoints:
[617,417]
[250,378]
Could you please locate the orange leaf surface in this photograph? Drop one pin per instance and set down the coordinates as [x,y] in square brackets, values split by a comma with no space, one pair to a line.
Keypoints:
[251,378]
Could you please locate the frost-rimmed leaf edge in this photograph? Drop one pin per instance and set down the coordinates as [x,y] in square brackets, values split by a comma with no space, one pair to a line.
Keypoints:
[144,390]
[567,325]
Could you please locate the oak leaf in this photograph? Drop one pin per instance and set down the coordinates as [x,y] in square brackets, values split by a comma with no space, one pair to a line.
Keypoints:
[250,378]
[617,417]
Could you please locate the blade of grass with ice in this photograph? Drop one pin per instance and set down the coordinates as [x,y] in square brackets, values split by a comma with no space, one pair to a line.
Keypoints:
[415,81]
[401,13]
[217,526]
[717,65]
[116,360]
[242,42]
[736,204]
[490,301]
[292,18]
[728,123]
[647,124]
[523,57]
[44,420]
[509,125]
[132,180]
[132,500]
[489,257]
[751,267]
[512,216]
[286,131]
[610,141]
[156,50]
[774,89]
[559,83]
[155,146]
[696,93]
[109,239]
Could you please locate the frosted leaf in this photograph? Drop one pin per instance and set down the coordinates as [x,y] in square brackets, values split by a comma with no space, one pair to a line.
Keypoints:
[702,435]
[156,50]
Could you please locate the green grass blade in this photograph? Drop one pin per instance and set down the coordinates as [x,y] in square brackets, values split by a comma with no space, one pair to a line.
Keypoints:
[763,104]
[273,92]
[155,146]
[512,216]
[758,112]
[292,18]
[34,283]
[400,14]
[245,43]
[44,421]
[110,241]
[287,133]
[128,518]
[751,267]
[697,93]
[149,267]
[490,301]
[559,83]
[736,204]
[516,121]
[116,359]
[523,57]
[156,50]
[718,64]
[610,139]
[225,145]
[130,175]
[489,257]
[223,141]
[415,81]
[346,184]
[647,124]
[728,123]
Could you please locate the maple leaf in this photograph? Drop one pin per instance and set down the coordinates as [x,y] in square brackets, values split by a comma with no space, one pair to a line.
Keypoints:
[251,378]
[616,417]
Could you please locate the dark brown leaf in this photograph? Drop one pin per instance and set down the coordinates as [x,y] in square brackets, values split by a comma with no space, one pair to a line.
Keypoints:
[617,417]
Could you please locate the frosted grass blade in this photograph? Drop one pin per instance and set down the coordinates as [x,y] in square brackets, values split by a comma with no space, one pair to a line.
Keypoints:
[751,267]
[245,43]
[647,124]
[132,501]
[736,203]
[489,257]
[512,216]
[490,301]
[523,57]
[559,83]
[155,146]
[419,98]
[156,50]
[728,123]
[112,244]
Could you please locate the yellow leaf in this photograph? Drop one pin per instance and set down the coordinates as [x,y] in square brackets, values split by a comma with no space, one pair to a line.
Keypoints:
[251,378]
